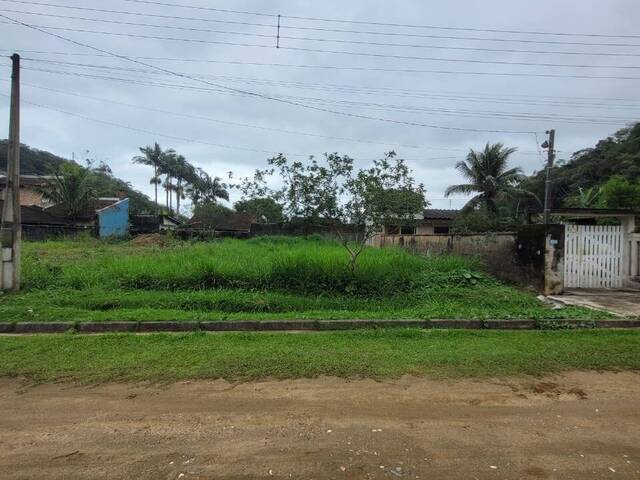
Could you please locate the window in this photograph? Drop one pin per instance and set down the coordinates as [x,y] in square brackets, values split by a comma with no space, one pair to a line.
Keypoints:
[393,229]
[407,230]
[441,230]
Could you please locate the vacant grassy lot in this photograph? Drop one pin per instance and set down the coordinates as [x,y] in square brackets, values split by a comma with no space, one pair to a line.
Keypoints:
[262,278]
[373,353]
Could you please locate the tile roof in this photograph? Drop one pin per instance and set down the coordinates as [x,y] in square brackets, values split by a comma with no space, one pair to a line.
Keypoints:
[440,214]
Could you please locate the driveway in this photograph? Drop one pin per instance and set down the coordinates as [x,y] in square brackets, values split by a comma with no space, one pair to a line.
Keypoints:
[623,303]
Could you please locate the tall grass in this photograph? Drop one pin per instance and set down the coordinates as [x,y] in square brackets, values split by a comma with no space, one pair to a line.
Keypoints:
[312,266]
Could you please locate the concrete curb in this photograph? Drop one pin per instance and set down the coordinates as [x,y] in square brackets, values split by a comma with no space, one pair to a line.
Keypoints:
[303,325]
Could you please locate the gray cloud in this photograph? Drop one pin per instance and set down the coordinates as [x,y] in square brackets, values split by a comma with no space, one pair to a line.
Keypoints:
[439,149]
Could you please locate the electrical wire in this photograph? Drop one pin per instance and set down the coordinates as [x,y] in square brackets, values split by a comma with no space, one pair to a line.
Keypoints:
[526,116]
[305,28]
[257,94]
[340,67]
[333,52]
[345,88]
[385,24]
[328,40]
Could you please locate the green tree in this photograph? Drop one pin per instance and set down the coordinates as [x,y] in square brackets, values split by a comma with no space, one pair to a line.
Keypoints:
[488,176]
[618,192]
[262,208]
[333,190]
[585,198]
[70,189]
[155,157]
[206,189]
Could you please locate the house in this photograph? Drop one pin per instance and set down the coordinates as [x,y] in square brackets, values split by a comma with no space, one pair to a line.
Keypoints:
[30,189]
[38,224]
[106,216]
[227,222]
[431,222]
[144,224]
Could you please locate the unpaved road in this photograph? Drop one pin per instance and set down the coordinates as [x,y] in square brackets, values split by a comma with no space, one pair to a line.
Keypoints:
[574,426]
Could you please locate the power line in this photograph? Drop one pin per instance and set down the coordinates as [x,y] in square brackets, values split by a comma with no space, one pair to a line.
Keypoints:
[150,132]
[215,120]
[256,94]
[340,67]
[333,52]
[329,40]
[345,88]
[376,106]
[185,139]
[304,28]
[385,24]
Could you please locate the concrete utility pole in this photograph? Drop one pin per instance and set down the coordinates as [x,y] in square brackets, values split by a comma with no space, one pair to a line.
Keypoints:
[11,227]
[550,145]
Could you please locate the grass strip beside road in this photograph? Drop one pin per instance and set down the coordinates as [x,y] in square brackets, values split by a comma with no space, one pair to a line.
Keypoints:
[371,353]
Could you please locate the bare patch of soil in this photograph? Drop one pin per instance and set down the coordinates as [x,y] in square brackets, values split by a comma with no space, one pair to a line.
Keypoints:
[573,426]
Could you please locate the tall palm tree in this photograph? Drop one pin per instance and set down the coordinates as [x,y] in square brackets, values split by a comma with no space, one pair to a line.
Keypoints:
[155,157]
[489,177]
[185,173]
[151,156]
[70,189]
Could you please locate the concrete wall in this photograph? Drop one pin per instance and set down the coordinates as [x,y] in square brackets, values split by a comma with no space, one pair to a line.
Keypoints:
[477,245]
[113,221]
[532,257]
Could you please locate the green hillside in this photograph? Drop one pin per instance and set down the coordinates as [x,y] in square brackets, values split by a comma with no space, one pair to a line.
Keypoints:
[39,162]
[613,165]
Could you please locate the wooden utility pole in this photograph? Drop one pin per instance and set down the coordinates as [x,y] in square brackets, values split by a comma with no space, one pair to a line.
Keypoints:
[11,227]
[550,145]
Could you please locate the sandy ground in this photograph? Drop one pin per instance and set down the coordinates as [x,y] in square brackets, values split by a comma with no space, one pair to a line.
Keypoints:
[574,426]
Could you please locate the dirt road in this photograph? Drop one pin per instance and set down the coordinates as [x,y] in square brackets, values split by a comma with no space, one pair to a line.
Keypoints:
[574,426]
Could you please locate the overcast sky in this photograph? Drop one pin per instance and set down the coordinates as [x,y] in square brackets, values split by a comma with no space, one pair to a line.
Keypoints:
[524,98]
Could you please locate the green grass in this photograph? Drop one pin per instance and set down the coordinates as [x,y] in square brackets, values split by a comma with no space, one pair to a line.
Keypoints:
[262,278]
[316,266]
[370,353]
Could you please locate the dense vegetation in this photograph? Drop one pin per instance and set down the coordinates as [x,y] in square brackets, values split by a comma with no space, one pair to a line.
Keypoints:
[606,176]
[612,163]
[262,278]
[102,182]
[372,353]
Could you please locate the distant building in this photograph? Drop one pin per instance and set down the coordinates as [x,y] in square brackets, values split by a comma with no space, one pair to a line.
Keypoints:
[232,222]
[431,222]
[144,224]
[30,189]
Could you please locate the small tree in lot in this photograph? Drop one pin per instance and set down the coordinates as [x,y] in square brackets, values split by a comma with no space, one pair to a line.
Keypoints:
[333,191]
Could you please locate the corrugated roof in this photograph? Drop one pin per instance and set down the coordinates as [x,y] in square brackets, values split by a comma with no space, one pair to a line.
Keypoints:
[32,215]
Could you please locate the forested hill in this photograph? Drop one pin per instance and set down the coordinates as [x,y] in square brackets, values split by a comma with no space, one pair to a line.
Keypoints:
[615,159]
[38,162]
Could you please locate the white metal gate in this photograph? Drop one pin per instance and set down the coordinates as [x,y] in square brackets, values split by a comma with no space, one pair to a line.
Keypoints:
[593,256]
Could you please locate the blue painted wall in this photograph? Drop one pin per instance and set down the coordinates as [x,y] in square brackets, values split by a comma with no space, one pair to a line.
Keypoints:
[113,221]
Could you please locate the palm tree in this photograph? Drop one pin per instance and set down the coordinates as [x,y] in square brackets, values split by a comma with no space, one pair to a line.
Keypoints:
[207,189]
[154,157]
[70,189]
[488,176]
[184,172]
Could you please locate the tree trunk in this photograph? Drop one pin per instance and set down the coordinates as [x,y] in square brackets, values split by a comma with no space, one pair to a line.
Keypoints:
[178,196]
[155,183]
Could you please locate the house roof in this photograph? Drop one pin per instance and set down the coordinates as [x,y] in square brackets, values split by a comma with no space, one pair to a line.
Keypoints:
[589,212]
[90,212]
[25,180]
[234,222]
[439,214]
[32,215]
